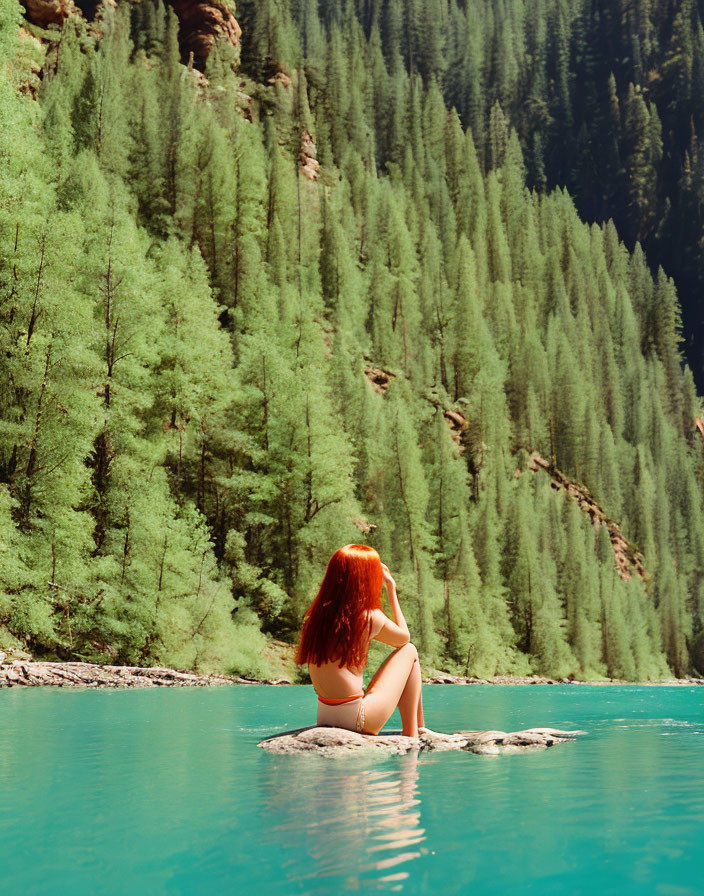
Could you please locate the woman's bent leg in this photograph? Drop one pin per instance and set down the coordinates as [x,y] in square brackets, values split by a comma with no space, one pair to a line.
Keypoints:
[396,683]
[421,717]
[410,700]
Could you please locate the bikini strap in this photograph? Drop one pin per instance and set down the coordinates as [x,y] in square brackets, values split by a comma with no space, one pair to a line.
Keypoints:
[336,701]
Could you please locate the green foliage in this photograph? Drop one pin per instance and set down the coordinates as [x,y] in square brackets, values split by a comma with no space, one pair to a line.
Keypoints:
[187,429]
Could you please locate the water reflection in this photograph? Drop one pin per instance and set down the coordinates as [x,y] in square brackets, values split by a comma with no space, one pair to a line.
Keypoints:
[362,821]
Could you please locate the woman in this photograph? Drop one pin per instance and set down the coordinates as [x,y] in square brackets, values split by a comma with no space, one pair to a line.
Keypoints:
[337,629]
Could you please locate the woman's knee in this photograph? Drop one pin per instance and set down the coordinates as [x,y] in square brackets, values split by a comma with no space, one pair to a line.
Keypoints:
[407,651]
[410,649]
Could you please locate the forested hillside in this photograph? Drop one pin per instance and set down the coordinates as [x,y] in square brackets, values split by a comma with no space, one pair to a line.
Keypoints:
[305,299]
[606,96]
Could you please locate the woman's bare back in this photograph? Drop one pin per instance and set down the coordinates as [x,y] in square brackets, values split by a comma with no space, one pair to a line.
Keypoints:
[329,680]
[333,682]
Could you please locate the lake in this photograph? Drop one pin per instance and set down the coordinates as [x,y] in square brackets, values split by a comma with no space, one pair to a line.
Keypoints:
[165,791]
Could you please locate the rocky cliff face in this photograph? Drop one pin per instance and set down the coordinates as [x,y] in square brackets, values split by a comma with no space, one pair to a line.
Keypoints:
[628,558]
[202,22]
[308,156]
[48,12]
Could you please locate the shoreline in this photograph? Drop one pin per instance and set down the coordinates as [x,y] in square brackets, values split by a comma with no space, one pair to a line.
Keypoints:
[446,678]
[36,673]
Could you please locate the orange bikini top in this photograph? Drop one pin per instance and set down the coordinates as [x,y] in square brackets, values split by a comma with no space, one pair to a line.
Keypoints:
[336,701]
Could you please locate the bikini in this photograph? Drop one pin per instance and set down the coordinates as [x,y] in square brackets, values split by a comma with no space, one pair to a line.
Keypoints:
[341,712]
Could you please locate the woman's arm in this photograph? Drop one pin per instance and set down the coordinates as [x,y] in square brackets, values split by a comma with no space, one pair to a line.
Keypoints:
[395,633]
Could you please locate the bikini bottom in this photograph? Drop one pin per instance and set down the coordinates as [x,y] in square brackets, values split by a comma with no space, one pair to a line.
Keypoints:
[344,715]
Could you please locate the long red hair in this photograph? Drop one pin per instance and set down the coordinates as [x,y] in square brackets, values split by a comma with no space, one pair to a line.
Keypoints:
[334,626]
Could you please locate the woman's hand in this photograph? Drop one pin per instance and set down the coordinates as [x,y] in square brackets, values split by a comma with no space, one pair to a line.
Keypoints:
[400,628]
[388,579]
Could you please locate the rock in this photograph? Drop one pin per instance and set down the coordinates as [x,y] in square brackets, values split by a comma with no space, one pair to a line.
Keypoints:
[307,156]
[310,169]
[458,427]
[202,22]
[627,557]
[485,749]
[281,78]
[434,676]
[246,104]
[28,673]
[48,12]
[330,741]
[379,378]
[436,740]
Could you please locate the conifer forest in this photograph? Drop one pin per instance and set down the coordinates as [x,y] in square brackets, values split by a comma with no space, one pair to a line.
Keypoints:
[283,275]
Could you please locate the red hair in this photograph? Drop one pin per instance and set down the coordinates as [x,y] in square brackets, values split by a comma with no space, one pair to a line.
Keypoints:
[333,627]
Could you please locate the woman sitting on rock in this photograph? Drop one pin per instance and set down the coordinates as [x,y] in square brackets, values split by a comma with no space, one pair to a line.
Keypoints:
[337,630]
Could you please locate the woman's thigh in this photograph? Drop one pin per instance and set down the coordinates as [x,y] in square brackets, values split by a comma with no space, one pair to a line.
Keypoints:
[385,689]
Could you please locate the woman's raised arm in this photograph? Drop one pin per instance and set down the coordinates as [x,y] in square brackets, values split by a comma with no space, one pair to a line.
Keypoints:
[395,633]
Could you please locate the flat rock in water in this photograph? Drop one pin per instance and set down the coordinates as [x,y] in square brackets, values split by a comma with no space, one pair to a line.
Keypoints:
[330,741]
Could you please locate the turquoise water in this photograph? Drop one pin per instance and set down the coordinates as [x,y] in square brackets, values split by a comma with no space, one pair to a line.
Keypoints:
[165,791]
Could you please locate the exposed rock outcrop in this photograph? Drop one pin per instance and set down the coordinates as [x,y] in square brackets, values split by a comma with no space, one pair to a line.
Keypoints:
[628,559]
[16,668]
[280,78]
[458,424]
[202,23]
[436,676]
[19,672]
[48,12]
[245,102]
[363,524]
[379,378]
[332,742]
[308,156]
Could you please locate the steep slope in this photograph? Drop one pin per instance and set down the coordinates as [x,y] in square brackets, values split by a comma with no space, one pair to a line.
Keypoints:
[217,368]
[606,99]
